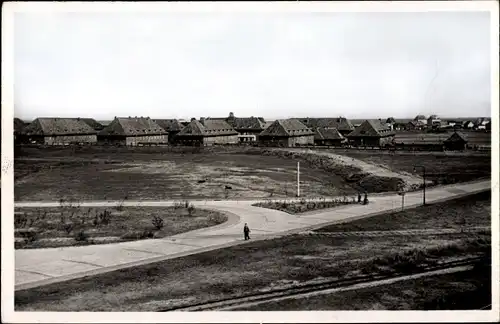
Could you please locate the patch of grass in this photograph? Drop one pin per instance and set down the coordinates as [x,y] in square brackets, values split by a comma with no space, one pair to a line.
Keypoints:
[473,210]
[305,205]
[53,224]
[467,290]
[237,270]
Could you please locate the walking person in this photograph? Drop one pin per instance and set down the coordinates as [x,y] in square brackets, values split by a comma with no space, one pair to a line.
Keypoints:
[246,231]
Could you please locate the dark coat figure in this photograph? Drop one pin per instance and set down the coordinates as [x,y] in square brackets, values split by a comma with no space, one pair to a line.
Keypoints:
[365,201]
[246,231]
[359,197]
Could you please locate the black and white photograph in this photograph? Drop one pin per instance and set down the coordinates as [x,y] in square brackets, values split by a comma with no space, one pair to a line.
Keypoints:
[250,162]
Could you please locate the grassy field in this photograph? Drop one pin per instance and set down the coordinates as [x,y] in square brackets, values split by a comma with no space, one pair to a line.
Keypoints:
[68,226]
[466,290]
[99,175]
[238,270]
[473,210]
[440,169]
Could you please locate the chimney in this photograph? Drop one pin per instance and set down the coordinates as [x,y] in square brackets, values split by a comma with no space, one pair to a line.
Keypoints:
[202,120]
[231,115]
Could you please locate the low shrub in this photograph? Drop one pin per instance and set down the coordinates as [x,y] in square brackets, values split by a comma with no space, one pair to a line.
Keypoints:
[29,235]
[81,236]
[158,222]
[137,235]
[68,227]
[20,220]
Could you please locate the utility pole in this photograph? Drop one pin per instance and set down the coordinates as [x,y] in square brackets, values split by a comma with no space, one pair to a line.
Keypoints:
[298,179]
[423,176]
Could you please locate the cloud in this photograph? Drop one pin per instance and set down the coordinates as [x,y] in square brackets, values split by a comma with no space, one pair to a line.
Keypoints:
[276,65]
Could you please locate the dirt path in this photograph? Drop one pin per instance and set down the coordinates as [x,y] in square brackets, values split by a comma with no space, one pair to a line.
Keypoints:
[373,169]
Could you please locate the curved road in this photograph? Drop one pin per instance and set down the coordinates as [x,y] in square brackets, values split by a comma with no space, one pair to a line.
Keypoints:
[37,267]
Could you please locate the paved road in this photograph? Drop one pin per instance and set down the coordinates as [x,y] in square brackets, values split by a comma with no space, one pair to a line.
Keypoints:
[36,267]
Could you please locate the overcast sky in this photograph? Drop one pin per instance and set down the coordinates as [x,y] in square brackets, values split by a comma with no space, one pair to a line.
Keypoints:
[169,65]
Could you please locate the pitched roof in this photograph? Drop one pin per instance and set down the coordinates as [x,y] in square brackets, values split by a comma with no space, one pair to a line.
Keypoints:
[248,123]
[340,123]
[58,126]
[371,128]
[132,126]
[287,128]
[417,123]
[218,127]
[18,125]
[327,134]
[92,123]
[170,125]
[472,138]
[209,127]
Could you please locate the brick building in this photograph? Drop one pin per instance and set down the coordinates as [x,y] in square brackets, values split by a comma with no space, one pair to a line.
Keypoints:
[132,131]
[58,131]
[328,136]
[171,126]
[207,132]
[371,133]
[286,133]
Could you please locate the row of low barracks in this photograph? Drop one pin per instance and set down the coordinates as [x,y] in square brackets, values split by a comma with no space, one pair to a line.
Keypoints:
[137,131]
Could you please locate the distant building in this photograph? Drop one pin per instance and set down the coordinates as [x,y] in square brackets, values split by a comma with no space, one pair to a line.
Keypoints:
[248,128]
[171,126]
[468,124]
[456,142]
[286,133]
[421,118]
[433,121]
[207,132]
[58,131]
[18,128]
[133,131]
[419,141]
[341,124]
[481,123]
[328,136]
[415,125]
[372,133]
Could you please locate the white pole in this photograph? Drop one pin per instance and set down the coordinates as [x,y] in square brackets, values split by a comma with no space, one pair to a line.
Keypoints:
[298,179]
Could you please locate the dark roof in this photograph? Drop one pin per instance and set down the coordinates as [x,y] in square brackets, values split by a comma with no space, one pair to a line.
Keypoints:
[371,128]
[18,125]
[339,123]
[132,126]
[58,126]
[417,123]
[390,120]
[170,125]
[327,134]
[92,123]
[418,117]
[409,138]
[248,123]
[472,138]
[287,128]
[209,127]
